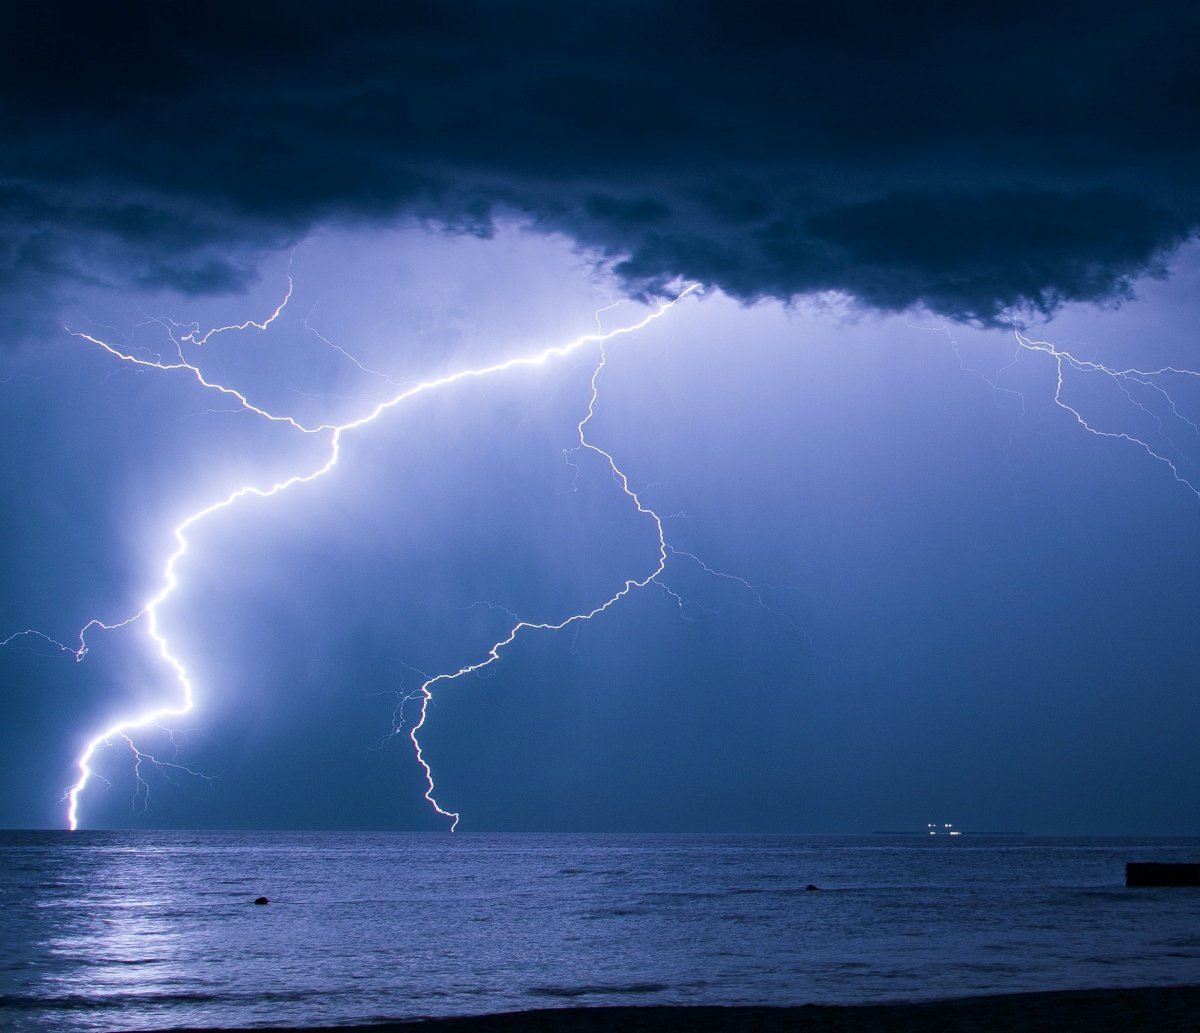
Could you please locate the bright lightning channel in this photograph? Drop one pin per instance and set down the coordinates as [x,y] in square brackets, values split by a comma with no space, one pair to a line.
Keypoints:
[121,728]
[1065,363]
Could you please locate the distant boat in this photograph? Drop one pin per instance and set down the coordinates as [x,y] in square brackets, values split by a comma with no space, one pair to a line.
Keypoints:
[942,830]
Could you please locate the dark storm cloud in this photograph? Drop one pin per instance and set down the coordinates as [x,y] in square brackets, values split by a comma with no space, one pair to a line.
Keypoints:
[970,159]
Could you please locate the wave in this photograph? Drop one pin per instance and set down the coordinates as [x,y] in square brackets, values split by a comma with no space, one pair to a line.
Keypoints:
[587,989]
[75,1002]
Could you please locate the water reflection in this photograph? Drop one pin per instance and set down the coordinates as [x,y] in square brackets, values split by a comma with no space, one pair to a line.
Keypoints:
[149,930]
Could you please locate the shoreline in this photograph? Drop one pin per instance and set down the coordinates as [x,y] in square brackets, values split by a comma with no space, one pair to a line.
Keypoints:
[1170,1009]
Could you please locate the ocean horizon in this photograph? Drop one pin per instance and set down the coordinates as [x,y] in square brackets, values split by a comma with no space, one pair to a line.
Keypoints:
[151,930]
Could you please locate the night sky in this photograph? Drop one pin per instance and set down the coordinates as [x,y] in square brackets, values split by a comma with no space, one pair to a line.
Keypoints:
[921,566]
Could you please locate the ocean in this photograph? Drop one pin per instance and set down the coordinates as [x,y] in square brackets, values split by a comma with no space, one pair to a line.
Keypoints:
[149,930]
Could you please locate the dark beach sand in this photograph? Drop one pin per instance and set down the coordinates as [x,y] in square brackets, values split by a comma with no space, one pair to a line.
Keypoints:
[1146,1010]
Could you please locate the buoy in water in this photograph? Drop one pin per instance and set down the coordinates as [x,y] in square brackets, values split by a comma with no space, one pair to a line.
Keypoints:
[262,900]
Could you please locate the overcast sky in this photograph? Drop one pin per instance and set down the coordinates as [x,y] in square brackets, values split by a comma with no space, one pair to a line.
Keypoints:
[923,445]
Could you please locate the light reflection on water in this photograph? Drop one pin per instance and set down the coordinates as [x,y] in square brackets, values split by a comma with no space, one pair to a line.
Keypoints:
[139,930]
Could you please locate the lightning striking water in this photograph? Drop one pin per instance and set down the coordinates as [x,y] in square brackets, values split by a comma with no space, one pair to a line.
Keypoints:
[1146,392]
[493,654]
[186,695]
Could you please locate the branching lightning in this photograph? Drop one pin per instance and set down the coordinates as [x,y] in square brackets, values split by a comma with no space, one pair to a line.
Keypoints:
[186,696]
[1125,380]
[493,654]
[1133,384]
[194,336]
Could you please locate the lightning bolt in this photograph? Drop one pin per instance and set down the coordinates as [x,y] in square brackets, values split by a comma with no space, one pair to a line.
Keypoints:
[185,701]
[1126,381]
[1070,369]
[193,336]
[425,693]
[1132,383]
[78,651]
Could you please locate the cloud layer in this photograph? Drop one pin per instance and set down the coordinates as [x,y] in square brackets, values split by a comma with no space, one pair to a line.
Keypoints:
[970,160]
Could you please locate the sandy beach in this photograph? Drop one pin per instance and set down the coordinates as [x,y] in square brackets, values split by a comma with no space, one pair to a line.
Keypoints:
[1141,1010]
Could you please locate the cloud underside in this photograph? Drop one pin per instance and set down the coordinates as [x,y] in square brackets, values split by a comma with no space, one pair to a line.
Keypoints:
[975,163]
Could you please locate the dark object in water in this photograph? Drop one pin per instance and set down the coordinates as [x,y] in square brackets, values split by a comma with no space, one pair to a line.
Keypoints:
[262,900]
[810,887]
[1155,873]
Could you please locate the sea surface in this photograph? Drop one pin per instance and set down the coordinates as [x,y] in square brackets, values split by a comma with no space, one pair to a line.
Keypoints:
[149,930]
